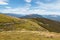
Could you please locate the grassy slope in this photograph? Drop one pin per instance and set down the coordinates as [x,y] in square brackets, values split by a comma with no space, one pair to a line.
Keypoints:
[24,25]
[12,23]
[50,25]
[4,18]
[33,24]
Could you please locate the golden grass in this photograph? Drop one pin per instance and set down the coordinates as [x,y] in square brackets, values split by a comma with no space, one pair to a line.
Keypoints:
[28,35]
[28,29]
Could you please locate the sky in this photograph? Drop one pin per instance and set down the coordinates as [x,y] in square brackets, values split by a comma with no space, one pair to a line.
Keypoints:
[43,7]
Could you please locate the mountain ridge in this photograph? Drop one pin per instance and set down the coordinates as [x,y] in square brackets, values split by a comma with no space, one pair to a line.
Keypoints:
[12,23]
[33,24]
[32,16]
[52,17]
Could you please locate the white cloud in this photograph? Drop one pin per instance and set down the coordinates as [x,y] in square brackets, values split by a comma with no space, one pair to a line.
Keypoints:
[42,8]
[7,7]
[20,11]
[3,2]
[50,8]
[23,11]
[55,5]
[28,1]
[15,10]
[27,11]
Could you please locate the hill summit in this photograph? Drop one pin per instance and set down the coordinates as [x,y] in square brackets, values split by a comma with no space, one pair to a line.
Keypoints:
[32,16]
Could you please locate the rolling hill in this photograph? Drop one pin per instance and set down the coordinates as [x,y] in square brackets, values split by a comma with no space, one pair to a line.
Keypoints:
[52,26]
[13,23]
[49,24]
[12,28]
[33,24]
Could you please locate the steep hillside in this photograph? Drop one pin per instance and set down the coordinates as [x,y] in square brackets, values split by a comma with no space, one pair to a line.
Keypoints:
[50,25]
[12,23]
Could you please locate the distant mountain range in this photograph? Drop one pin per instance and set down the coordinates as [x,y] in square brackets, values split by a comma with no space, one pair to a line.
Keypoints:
[32,16]
[51,17]
[13,14]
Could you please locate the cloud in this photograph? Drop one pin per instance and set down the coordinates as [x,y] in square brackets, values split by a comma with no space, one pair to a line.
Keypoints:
[7,7]
[28,1]
[50,8]
[28,11]
[24,10]
[42,8]
[53,5]
[3,2]
[15,10]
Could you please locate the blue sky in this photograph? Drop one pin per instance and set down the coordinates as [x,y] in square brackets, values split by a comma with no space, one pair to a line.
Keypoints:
[43,7]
